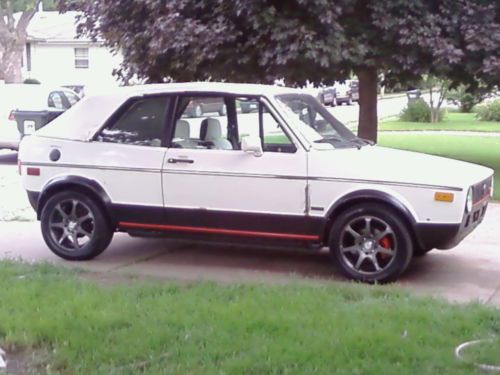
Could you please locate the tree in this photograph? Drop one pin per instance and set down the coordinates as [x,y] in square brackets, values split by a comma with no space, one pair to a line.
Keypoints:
[438,90]
[466,97]
[13,36]
[301,40]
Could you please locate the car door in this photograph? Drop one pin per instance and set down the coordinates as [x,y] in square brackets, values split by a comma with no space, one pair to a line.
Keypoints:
[126,157]
[211,186]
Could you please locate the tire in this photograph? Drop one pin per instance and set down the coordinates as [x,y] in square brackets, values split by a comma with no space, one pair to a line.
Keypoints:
[370,243]
[72,216]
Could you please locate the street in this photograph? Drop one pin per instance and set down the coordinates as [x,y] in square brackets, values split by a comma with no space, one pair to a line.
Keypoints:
[467,273]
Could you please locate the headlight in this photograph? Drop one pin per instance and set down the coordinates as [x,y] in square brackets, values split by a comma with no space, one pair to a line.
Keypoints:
[470,200]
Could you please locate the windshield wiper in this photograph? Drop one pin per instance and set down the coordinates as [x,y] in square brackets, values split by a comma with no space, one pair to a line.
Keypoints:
[366,141]
[338,139]
[329,139]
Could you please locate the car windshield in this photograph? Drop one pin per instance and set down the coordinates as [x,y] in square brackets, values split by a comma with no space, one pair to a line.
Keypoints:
[315,123]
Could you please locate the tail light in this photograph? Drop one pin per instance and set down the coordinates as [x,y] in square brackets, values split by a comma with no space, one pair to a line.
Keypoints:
[11,116]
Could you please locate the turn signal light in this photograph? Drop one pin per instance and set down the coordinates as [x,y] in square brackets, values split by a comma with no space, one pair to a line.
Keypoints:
[444,197]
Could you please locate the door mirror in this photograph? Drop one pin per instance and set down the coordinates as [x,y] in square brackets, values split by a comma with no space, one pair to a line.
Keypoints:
[252,145]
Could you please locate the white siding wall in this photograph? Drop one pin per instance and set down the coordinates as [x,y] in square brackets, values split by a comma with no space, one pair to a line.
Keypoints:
[54,64]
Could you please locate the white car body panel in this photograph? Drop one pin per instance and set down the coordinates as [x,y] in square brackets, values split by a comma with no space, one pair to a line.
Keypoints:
[236,181]
[139,183]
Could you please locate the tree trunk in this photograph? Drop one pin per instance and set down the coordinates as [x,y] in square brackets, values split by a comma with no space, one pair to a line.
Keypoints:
[368,121]
[10,66]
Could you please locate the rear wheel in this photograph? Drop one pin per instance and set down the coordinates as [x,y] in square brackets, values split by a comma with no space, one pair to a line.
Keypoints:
[74,226]
[370,243]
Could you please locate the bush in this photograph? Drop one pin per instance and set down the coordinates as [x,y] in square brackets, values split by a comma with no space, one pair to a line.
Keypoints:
[489,112]
[466,98]
[418,111]
[31,81]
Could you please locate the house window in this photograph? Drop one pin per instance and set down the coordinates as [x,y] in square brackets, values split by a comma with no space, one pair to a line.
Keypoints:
[81,58]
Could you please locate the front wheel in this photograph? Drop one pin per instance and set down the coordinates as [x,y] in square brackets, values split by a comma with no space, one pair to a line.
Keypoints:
[370,243]
[74,226]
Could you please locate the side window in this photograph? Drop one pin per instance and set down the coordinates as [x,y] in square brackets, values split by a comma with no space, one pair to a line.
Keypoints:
[202,123]
[56,100]
[254,119]
[141,124]
[72,98]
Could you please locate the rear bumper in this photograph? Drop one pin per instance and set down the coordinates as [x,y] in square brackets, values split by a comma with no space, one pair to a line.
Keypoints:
[33,199]
[11,144]
[447,236]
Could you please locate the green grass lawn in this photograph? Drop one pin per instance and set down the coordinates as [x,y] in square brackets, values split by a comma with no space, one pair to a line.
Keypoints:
[73,326]
[453,121]
[475,149]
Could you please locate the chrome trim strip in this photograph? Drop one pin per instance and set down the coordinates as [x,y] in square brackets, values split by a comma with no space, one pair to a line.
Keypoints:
[229,174]
[404,184]
[82,166]
[248,175]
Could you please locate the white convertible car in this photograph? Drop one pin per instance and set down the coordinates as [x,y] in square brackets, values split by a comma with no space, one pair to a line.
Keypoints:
[288,173]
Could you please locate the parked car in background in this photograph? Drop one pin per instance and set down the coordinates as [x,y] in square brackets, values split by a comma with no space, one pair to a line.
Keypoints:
[288,175]
[198,108]
[354,88]
[328,96]
[343,93]
[26,108]
[78,89]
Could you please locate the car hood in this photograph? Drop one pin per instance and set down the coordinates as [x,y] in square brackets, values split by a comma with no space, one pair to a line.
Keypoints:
[380,164]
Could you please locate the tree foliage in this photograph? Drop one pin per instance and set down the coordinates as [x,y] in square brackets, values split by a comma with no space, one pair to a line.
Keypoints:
[314,40]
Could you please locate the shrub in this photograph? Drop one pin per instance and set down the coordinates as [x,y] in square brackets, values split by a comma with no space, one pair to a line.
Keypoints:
[465,98]
[31,81]
[489,112]
[418,111]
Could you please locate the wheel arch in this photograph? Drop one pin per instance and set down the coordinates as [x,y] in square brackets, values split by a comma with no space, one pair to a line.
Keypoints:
[82,184]
[370,196]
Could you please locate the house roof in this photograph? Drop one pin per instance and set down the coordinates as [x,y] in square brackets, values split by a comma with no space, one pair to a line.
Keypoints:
[55,27]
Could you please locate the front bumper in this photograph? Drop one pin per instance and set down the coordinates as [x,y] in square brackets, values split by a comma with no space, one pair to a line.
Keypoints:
[447,236]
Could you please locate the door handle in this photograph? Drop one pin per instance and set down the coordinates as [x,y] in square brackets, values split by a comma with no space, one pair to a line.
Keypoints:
[175,161]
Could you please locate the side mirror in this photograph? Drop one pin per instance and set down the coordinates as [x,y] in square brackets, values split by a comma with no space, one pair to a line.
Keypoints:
[252,145]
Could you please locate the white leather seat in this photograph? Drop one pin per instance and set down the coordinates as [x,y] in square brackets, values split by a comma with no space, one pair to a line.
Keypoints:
[211,131]
[182,136]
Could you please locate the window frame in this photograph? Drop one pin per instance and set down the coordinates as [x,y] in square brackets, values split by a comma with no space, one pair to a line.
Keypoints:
[82,59]
[232,115]
[229,99]
[125,106]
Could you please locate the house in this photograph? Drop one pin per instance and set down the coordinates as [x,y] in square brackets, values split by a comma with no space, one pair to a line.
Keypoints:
[54,55]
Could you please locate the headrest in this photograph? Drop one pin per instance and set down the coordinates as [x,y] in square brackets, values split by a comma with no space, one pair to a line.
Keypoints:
[182,129]
[210,129]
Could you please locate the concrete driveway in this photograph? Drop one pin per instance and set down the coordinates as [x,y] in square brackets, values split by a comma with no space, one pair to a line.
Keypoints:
[471,272]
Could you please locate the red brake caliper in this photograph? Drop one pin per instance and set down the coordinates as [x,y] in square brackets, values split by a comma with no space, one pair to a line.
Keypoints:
[385,242]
